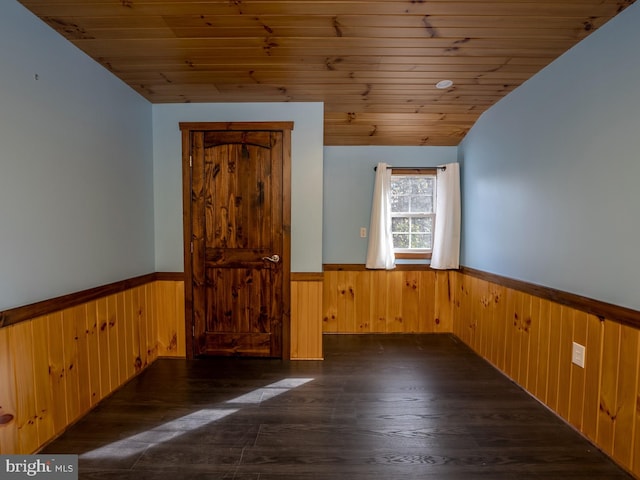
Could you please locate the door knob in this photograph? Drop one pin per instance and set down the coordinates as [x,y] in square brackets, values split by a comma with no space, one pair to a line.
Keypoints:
[273,258]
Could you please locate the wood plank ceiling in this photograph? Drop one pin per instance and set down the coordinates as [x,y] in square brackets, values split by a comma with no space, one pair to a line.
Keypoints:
[374,64]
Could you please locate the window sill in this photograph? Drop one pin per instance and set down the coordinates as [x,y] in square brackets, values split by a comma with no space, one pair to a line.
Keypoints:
[413,256]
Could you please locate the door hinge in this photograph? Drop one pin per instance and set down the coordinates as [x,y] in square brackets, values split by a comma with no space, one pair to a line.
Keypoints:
[191,247]
[193,331]
[190,161]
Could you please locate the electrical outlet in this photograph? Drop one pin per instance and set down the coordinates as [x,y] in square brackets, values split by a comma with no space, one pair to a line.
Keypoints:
[577,355]
[363,232]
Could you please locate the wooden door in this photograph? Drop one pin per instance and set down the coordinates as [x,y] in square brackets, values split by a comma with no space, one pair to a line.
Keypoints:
[237,238]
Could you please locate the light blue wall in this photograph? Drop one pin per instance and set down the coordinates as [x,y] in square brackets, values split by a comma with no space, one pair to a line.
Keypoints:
[87,167]
[551,172]
[306,171]
[348,191]
[76,193]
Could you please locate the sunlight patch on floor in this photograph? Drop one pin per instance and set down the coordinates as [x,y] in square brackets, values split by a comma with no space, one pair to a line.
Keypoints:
[137,443]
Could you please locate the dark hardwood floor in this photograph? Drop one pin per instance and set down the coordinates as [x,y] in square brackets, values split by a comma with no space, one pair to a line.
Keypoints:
[379,407]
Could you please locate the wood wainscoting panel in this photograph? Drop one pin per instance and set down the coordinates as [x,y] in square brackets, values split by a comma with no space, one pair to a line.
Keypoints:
[530,338]
[306,319]
[45,408]
[592,376]
[102,331]
[54,368]
[57,373]
[22,348]
[625,450]
[405,300]
[443,302]
[169,318]
[8,396]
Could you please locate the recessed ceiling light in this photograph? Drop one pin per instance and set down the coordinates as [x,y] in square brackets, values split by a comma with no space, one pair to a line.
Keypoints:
[442,84]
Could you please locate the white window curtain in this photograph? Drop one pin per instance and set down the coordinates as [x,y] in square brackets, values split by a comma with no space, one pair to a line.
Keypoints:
[380,250]
[446,238]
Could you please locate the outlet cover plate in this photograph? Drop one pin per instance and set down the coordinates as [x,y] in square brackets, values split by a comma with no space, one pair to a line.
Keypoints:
[577,355]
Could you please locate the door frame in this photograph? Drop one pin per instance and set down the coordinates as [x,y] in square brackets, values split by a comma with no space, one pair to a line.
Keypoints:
[187,128]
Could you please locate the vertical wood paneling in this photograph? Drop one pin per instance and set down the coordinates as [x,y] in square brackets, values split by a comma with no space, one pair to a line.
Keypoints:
[306,320]
[314,344]
[510,311]
[93,354]
[124,337]
[627,401]
[169,307]
[139,328]
[57,371]
[59,358]
[43,397]
[22,340]
[474,313]
[564,374]
[132,356]
[83,366]
[534,346]
[297,325]
[442,301]
[70,350]
[542,370]
[578,374]
[484,318]
[380,301]
[465,312]
[500,329]
[178,288]
[410,307]
[53,369]
[531,340]
[8,397]
[152,322]
[555,319]
[395,320]
[342,306]
[167,329]
[523,330]
[609,382]
[635,463]
[347,294]
[330,303]
[363,304]
[115,339]
[592,377]
[102,324]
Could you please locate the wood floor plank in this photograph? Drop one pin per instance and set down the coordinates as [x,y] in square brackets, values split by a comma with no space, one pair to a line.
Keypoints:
[379,406]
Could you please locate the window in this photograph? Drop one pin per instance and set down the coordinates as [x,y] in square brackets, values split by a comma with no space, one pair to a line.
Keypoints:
[413,203]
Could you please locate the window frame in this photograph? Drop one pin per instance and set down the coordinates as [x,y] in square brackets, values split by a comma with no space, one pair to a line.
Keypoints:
[430,171]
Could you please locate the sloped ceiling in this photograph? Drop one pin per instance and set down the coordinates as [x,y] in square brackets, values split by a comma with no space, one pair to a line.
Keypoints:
[374,64]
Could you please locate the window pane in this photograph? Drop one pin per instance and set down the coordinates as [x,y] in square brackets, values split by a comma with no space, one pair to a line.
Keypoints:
[400,204]
[412,204]
[401,240]
[422,185]
[400,224]
[421,241]
[422,225]
[401,185]
[421,203]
